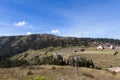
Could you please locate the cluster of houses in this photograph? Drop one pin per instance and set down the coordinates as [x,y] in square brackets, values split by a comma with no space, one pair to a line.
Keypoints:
[108,46]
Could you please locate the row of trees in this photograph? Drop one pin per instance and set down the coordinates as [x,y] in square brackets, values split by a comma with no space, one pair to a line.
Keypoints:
[52,60]
[7,63]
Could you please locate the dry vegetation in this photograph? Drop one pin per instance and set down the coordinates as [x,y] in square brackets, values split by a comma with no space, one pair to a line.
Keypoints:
[104,59]
[52,72]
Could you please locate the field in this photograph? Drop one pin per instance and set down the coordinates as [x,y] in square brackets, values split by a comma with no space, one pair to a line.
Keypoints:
[52,72]
[101,58]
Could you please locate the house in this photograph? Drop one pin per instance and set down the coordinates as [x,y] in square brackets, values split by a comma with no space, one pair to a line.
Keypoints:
[115,69]
[100,47]
[112,47]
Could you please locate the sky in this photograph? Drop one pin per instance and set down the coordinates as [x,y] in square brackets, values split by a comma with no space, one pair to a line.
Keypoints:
[76,18]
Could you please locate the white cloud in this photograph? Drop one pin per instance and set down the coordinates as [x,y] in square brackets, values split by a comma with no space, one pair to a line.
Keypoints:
[55,31]
[29,33]
[82,34]
[20,24]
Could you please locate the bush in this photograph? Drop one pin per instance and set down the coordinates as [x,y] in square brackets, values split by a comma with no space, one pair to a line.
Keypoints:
[114,73]
[81,62]
[53,67]
[29,73]
[53,60]
[82,50]
[8,63]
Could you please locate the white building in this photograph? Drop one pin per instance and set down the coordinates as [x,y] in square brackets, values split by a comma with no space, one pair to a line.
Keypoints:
[100,47]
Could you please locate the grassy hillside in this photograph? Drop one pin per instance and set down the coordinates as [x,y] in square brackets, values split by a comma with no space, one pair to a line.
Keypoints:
[104,59]
[45,48]
[12,45]
[100,58]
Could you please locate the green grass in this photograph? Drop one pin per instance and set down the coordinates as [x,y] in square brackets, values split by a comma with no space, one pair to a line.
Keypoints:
[102,58]
[39,78]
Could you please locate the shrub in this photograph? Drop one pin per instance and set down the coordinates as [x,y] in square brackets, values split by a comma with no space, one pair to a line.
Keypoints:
[81,62]
[53,67]
[114,73]
[53,60]
[8,63]
[82,50]
[29,73]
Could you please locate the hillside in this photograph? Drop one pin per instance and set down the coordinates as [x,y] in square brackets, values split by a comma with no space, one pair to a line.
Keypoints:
[12,45]
[50,56]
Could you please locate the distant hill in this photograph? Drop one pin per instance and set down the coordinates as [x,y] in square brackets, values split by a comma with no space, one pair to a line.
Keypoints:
[12,45]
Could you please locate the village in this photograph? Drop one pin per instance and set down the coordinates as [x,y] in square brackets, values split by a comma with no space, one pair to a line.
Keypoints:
[108,46]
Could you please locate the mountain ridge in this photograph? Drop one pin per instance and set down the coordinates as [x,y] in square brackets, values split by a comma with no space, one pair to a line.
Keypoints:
[12,45]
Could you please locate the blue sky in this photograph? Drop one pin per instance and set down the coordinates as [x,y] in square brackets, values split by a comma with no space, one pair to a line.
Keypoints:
[79,18]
